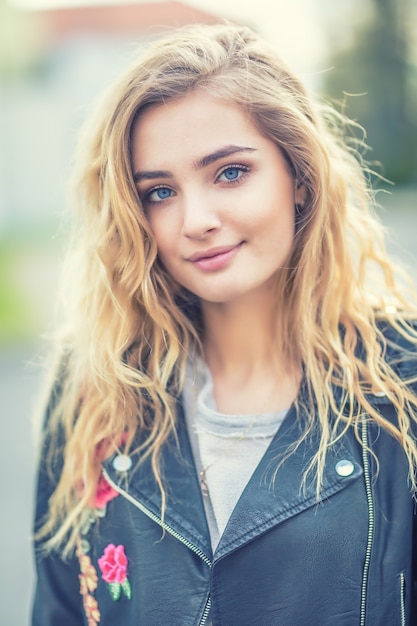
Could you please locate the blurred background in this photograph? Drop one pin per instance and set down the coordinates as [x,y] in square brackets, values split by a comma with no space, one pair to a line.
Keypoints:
[55,58]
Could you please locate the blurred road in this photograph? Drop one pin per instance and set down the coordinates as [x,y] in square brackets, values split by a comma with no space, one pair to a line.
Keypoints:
[19,384]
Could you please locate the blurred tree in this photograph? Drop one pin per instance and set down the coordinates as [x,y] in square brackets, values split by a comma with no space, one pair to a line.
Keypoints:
[377,68]
[20,40]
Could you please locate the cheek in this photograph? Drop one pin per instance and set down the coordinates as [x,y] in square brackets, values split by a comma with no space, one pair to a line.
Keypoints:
[278,229]
[159,230]
[165,240]
[278,217]
[288,227]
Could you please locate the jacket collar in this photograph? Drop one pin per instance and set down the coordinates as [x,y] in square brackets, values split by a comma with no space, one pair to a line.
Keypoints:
[184,512]
[265,502]
[273,495]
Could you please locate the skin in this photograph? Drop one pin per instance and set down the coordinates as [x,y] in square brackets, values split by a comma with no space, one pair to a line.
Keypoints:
[220,200]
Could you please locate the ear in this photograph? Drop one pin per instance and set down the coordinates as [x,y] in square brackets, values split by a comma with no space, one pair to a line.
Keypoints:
[300,195]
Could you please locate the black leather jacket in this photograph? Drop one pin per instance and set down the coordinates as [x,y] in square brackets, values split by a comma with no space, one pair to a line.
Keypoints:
[283,560]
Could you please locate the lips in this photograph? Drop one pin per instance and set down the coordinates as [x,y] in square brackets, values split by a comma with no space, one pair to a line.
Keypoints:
[215,259]
[212,252]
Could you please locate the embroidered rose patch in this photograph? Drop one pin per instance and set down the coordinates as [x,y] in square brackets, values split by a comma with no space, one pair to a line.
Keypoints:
[113,565]
[88,584]
[104,494]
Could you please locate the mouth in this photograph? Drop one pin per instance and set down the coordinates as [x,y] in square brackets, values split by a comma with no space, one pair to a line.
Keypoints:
[215,259]
[213,252]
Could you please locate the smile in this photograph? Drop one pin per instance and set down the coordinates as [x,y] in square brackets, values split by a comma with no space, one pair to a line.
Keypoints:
[214,259]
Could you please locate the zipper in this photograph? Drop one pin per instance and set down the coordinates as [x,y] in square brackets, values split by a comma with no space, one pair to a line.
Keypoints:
[402,599]
[205,612]
[371,523]
[158,520]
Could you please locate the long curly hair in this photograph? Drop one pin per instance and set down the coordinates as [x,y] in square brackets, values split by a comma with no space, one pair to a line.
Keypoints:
[130,327]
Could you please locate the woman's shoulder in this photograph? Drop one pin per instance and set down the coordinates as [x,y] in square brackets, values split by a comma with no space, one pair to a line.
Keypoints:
[399,344]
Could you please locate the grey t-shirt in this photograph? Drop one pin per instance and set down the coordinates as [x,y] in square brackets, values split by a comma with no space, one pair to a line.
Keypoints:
[226,448]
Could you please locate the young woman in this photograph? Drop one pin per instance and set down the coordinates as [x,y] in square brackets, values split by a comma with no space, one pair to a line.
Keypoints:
[230,438]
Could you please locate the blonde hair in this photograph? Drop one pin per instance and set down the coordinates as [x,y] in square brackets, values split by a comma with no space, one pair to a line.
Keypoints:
[131,327]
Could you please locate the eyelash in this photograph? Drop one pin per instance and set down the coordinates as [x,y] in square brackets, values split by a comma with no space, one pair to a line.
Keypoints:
[146,197]
[243,169]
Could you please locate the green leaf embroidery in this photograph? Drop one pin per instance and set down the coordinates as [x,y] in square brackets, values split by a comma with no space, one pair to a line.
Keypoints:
[115,590]
[127,589]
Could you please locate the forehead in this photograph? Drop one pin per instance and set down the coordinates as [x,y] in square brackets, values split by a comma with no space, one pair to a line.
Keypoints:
[190,126]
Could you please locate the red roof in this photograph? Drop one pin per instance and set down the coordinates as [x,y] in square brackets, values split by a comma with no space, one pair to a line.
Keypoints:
[144,18]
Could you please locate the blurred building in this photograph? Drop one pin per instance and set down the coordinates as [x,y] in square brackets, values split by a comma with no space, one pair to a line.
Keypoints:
[81,51]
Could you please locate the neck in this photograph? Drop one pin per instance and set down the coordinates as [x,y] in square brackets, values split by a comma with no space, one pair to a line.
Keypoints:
[237,336]
[249,371]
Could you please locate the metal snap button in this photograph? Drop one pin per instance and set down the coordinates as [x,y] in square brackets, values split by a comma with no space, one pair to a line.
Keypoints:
[379,394]
[344,467]
[122,463]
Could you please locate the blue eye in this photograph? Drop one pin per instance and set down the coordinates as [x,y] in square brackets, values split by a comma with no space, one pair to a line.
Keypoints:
[158,194]
[233,173]
[163,193]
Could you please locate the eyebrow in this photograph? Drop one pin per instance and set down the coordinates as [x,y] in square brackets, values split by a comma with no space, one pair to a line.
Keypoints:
[199,164]
[151,175]
[225,151]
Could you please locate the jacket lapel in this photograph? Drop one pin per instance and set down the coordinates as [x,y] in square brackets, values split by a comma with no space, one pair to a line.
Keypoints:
[264,503]
[184,513]
[267,501]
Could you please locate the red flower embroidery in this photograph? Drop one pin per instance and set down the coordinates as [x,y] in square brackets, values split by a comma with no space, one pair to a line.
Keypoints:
[113,565]
[104,493]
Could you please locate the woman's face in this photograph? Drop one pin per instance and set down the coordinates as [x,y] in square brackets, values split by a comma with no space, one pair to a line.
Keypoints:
[218,196]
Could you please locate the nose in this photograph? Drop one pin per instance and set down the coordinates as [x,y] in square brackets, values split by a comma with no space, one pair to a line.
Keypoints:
[200,216]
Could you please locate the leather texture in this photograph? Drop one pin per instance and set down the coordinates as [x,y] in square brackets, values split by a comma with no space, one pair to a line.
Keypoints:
[284,558]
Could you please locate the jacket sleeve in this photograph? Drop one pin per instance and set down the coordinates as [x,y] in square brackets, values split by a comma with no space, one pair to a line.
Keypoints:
[57,599]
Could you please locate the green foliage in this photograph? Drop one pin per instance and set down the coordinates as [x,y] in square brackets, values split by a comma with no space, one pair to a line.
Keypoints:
[378,66]
[15,319]
[20,41]
[30,262]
